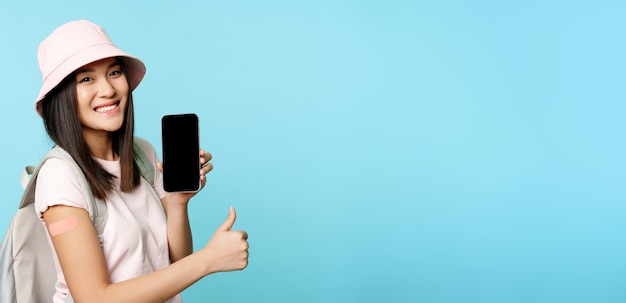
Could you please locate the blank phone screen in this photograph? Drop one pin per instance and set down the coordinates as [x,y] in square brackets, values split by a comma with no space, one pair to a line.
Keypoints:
[181,158]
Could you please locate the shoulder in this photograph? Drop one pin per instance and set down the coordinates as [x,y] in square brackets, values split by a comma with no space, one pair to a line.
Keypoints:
[58,166]
[57,184]
[55,169]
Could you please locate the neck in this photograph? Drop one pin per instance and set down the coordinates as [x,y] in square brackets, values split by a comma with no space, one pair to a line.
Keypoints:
[101,145]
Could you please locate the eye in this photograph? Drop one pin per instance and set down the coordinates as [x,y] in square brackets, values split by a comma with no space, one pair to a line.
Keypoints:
[115,73]
[85,80]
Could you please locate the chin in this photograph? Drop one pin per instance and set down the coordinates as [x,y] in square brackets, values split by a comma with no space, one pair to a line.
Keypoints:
[111,127]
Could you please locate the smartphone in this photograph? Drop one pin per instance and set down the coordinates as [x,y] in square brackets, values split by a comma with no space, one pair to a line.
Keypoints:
[181,157]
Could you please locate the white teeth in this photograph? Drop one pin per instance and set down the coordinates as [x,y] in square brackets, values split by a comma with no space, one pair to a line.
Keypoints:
[105,109]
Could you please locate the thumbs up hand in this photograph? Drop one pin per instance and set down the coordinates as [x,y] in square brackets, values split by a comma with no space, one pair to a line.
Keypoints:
[228,249]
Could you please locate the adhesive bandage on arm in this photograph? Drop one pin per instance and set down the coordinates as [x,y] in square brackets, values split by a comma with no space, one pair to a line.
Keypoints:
[63,226]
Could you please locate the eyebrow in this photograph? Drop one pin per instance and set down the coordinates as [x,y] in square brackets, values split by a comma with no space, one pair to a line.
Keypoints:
[87,70]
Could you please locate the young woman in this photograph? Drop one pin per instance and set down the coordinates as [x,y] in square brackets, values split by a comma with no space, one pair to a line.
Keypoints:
[146,254]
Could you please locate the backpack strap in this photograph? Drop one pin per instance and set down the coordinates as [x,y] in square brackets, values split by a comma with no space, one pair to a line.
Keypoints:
[28,171]
[143,161]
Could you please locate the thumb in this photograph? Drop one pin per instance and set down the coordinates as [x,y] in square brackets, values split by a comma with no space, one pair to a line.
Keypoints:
[230,220]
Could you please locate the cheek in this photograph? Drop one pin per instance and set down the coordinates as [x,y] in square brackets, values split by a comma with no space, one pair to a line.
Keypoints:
[82,105]
[83,96]
[121,86]
[122,90]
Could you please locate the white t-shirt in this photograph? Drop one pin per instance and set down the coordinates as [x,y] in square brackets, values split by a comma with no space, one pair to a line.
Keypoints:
[135,235]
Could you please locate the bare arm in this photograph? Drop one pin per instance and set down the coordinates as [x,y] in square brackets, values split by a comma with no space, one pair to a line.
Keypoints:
[85,271]
[179,236]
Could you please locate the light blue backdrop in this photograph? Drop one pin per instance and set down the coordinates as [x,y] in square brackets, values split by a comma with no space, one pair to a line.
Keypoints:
[376,151]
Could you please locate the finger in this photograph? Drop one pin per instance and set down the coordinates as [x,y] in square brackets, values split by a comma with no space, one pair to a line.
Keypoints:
[202,161]
[230,221]
[207,167]
[159,166]
[244,235]
[202,181]
[206,155]
[205,158]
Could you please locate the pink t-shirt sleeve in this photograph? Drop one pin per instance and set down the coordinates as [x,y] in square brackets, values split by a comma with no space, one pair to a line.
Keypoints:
[57,185]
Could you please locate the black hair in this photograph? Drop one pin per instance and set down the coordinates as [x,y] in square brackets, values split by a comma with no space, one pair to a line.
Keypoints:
[60,116]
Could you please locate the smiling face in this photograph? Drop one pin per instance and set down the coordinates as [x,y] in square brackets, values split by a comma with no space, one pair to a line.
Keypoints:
[102,92]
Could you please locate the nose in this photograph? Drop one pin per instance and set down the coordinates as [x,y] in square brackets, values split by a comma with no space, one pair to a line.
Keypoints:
[106,88]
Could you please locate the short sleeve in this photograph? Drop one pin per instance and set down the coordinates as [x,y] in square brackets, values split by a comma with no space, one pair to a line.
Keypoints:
[57,185]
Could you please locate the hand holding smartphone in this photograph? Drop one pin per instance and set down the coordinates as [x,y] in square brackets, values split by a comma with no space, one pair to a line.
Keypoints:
[181,158]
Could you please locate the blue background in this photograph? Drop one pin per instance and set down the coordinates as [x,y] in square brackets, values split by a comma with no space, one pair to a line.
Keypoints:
[376,151]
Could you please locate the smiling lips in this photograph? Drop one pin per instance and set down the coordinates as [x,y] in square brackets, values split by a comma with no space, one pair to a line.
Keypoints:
[106,108]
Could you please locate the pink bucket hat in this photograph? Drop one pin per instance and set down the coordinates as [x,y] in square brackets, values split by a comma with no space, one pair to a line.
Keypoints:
[76,44]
